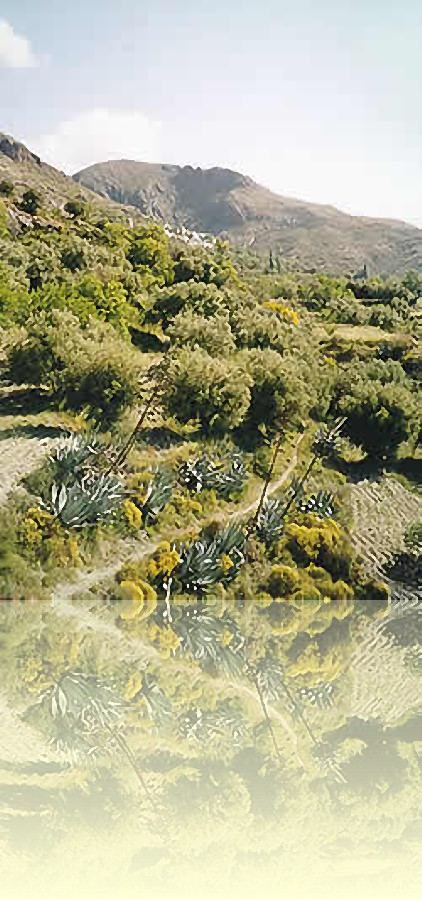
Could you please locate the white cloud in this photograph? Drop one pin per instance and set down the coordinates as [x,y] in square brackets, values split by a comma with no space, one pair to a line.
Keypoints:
[97,135]
[15,50]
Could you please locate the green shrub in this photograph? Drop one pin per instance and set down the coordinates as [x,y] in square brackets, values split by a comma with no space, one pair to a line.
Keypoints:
[213,335]
[89,368]
[213,391]
[278,395]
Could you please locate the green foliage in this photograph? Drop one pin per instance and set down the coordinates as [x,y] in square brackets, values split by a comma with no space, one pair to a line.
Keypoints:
[6,188]
[413,537]
[212,335]
[379,417]
[278,395]
[149,254]
[200,265]
[201,387]
[76,209]
[31,202]
[89,368]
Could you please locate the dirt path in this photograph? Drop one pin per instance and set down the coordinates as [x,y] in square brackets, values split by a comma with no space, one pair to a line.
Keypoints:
[244,511]
[18,457]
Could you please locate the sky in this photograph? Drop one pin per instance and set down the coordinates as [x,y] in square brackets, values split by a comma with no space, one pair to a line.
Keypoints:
[316,99]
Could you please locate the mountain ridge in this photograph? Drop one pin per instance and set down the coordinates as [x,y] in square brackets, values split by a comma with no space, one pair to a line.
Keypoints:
[224,202]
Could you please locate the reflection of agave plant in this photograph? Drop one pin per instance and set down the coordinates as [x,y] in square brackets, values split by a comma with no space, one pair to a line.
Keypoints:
[208,725]
[91,709]
[321,695]
[321,503]
[206,638]
[211,560]
[158,704]
[270,675]
[92,500]
[87,699]
[326,761]
[159,493]
[204,474]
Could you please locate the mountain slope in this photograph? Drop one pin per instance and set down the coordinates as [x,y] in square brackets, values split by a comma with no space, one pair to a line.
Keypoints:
[24,169]
[221,201]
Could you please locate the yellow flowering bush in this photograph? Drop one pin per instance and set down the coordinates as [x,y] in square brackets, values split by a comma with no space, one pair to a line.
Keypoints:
[287,313]
[310,539]
[132,514]
[139,598]
[41,533]
[226,562]
[164,561]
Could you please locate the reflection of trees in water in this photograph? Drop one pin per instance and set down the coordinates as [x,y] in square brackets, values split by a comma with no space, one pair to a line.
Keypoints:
[378,764]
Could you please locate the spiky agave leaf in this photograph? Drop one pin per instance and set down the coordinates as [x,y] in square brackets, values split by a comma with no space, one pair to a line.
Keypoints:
[270,522]
[73,452]
[94,499]
[159,492]
[199,474]
[321,503]
[326,441]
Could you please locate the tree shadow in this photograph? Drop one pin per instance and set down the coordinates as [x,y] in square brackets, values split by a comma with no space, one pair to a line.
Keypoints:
[364,469]
[24,401]
[41,432]
[163,438]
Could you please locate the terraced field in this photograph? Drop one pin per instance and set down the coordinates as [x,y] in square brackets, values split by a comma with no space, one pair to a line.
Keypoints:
[383,685]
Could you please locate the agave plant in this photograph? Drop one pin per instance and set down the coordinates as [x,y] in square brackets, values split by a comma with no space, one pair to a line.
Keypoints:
[270,522]
[326,440]
[94,499]
[203,473]
[321,695]
[74,452]
[159,493]
[321,503]
[232,479]
[199,474]
[211,560]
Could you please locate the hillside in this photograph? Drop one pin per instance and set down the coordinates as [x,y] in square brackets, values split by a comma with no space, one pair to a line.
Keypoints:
[221,201]
[24,170]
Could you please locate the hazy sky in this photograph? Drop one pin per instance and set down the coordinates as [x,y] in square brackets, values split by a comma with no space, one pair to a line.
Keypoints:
[318,99]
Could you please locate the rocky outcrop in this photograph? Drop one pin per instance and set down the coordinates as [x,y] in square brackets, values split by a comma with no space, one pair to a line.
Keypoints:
[17,151]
